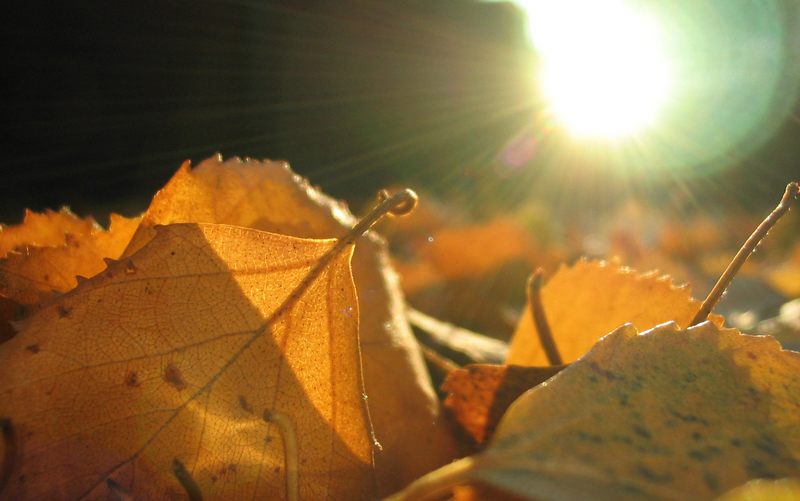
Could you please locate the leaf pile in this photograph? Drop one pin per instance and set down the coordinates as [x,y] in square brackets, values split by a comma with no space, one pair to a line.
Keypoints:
[239,340]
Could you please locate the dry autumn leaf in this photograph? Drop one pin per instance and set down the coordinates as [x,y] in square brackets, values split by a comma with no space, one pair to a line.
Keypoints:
[590,299]
[479,394]
[667,414]
[208,349]
[48,229]
[785,489]
[52,249]
[269,196]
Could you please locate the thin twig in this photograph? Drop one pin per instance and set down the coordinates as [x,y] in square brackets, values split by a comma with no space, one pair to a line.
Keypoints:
[749,246]
[442,364]
[540,319]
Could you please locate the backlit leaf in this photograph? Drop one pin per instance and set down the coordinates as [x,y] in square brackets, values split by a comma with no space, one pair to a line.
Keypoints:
[588,300]
[269,196]
[200,348]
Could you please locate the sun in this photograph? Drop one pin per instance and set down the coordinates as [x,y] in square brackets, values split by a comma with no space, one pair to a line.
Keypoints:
[603,69]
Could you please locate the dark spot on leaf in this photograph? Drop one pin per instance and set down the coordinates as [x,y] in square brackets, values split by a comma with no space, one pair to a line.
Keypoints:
[767,445]
[244,404]
[64,311]
[22,310]
[603,372]
[173,377]
[690,377]
[705,453]
[277,469]
[642,431]
[131,379]
[33,348]
[652,476]
[757,469]
[172,253]
[689,418]
[736,442]
[697,436]
[752,356]
[590,437]
[711,481]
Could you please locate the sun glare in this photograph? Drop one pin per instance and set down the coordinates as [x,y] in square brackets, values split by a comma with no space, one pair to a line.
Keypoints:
[604,70]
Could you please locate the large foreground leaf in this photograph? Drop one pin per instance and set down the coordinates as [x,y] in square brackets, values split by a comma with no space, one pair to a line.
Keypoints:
[669,414]
[197,348]
[269,196]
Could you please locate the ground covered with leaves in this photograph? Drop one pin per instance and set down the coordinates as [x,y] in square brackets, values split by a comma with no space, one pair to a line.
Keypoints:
[247,337]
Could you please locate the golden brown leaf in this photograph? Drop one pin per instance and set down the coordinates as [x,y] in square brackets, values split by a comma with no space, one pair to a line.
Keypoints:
[48,229]
[192,350]
[786,276]
[785,489]
[32,272]
[269,196]
[479,394]
[590,299]
[666,414]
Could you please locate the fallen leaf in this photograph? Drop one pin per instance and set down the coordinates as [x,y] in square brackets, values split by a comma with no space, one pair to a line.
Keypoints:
[786,276]
[666,414]
[47,229]
[590,299]
[198,348]
[479,394]
[269,196]
[36,269]
[785,489]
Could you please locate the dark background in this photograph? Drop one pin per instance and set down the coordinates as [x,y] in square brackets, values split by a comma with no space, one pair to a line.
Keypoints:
[104,100]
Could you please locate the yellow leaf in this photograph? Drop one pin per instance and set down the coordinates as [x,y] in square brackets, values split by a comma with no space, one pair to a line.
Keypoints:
[269,196]
[48,229]
[668,414]
[785,489]
[590,299]
[57,248]
[189,349]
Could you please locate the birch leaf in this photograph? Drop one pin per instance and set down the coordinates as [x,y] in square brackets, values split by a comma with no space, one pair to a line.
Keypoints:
[201,349]
[588,300]
[666,415]
[269,196]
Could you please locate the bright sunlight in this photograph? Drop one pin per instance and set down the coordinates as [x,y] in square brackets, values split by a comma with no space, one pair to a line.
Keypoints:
[604,70]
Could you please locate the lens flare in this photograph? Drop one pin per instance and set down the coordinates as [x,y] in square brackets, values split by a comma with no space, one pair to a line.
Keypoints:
[603,68]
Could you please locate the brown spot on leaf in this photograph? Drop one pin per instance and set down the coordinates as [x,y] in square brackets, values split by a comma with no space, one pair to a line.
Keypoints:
[33,348]
[64,311]
[245,405]
[173,376]
[132,379]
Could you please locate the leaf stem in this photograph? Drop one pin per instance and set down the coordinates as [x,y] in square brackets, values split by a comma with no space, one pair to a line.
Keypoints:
[399,204]
[540,319]
[187,482]
[290,452]
[748,247]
